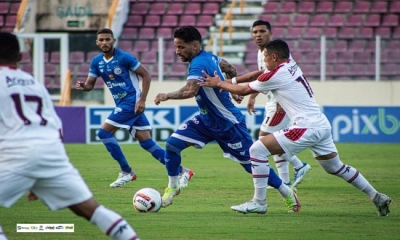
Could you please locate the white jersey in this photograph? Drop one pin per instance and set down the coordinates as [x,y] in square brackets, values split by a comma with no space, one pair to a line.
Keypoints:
[294,94]
[27,119]
[270,105]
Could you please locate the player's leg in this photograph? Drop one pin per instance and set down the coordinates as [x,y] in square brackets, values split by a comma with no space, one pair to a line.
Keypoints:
[68,189]
[141,131]
[188,134]
[12,187]
[106,135]
[326,154]
[275,121]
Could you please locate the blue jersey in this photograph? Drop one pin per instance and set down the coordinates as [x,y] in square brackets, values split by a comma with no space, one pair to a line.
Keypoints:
[119,76]
[216,108]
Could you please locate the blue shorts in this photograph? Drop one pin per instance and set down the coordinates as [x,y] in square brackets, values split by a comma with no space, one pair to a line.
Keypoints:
[234,142]
[125,117]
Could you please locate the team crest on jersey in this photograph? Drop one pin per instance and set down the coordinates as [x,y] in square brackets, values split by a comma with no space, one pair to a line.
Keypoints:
[182,127]
[117,110]
[117,71]
[235,145]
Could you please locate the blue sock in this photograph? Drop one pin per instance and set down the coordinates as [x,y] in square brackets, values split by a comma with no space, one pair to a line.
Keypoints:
[155,150]
[173,149]
[114,149]
[273,180]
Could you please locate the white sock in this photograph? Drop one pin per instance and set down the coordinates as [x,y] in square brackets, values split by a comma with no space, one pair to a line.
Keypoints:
[296,162]
[284,190]
[2,235]
[282,166]
[112,224]
[260,171]
[173,181]
[335,167]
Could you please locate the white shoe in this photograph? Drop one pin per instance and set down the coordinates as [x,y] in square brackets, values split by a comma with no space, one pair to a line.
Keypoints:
[250,207]
[382,203]
[123,178]
[185,177]
[300,173]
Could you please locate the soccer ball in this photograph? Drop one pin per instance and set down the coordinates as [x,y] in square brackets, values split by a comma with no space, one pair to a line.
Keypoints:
[147,200]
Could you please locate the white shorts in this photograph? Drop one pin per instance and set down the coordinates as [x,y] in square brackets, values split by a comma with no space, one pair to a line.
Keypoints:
[56,192]
[274,121]
[295,140]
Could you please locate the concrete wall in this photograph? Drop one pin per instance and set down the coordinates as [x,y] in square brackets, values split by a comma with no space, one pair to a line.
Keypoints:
[333,93]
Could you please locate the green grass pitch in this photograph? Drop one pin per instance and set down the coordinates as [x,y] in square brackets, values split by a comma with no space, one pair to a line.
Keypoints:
[331,208]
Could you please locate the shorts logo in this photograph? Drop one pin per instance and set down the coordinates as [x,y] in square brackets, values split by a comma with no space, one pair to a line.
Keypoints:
[235,145]
[117,110]
[195,120]
[183,126]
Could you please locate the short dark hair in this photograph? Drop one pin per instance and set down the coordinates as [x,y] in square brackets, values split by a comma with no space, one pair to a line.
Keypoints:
[262,22]
[188,34]
[105,30]
[9,48]
[279,47]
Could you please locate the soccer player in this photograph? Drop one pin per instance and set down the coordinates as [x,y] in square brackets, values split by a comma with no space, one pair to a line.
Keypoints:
[33,158]
[309,126]
[121,72]
[218,119]
[275,117]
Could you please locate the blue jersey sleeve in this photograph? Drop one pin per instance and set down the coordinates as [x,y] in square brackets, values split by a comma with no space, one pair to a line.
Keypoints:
[94,70]
[130,62]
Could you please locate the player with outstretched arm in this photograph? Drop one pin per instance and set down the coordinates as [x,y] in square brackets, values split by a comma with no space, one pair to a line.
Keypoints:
[309,126]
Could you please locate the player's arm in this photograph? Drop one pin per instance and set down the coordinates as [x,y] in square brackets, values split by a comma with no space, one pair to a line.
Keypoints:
[248,77]
[188,91]
[215,82]
[86,86]
[230,72]
[146,79]
[251,103]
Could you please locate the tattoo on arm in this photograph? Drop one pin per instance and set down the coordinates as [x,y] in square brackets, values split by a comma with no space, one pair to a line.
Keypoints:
[228,69]
[188,91]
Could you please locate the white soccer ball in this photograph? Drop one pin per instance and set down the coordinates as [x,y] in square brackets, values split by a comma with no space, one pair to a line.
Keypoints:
[147,200]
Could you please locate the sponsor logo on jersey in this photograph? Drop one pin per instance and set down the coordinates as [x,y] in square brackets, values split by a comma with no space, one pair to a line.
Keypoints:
[22,82]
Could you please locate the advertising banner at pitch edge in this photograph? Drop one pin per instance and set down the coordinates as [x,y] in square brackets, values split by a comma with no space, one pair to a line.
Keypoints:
[163,120]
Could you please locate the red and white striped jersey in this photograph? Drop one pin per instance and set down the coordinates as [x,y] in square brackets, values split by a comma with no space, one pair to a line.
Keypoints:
[293,93]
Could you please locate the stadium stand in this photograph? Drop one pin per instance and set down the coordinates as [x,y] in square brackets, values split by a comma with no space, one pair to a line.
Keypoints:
[350,27]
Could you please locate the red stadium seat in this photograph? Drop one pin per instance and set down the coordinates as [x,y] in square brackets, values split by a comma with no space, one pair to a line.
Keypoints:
[169,57]
[169,21]
[139,9]
[365,32]
[164,32]
[343,6]
[318,20]
[357,46]
[157,9]
[129,33]
[345,57]
[379,7]
[55,57]
[125,45]
[384,32]
[187,20]
[210,8]
[282,20]
[77,57]
[336,20]
[347,32]
[363,57]
[294,32]
[354,20]
[4,7]
[330,32]
[175,9]
[149,57]
[178,70]
[312,32]
[301,20]
[193,8]
[288,7]
[205,21]
[146,33]
[271,7]
[152,21]
[340,46]
[142,46]
[394,7]
[306,7]
[134,21]
[361,7]
[324,7]
[390,20]
[372,20]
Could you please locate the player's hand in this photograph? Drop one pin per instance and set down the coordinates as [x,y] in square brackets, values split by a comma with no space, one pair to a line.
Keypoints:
[250,106]
[161,97]
[31,197]
[80,85]
[140,107]
[237,98]
[209,81]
